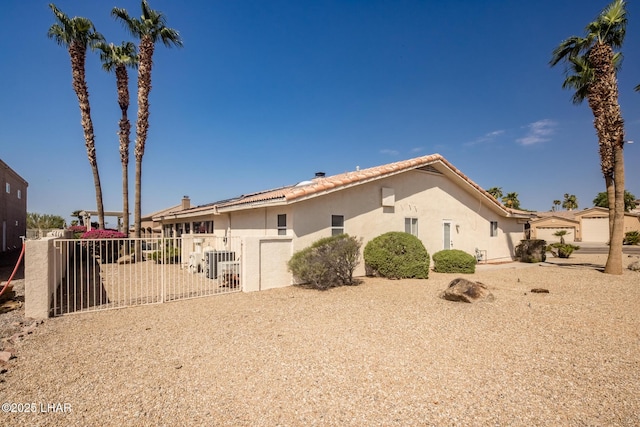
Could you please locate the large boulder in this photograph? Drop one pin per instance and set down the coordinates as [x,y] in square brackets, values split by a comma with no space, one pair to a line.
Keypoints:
[532,251]
[464,290]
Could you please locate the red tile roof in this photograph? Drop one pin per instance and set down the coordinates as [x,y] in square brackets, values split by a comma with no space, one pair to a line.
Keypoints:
[321,185]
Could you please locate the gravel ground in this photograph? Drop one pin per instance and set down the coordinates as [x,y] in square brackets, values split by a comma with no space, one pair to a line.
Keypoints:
[384,353]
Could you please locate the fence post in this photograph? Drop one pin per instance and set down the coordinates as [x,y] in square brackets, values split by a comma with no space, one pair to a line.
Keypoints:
[38,274]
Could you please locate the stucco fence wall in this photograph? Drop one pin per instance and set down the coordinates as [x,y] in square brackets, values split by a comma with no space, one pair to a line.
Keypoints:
[263,266]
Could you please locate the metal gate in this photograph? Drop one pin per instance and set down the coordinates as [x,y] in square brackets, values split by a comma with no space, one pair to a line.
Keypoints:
[102,274]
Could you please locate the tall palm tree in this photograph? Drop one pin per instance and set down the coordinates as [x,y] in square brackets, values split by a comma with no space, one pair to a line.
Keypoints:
[77,34]
[556,203]
[511,201]
[149,29]
[570,202]
[496,192]
[598,83]
[118,58]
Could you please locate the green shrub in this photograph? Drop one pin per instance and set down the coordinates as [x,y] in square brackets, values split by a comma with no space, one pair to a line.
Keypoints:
[396,255]
[170,254]
[562,250]
[631,238]
[328,262]
[454,261]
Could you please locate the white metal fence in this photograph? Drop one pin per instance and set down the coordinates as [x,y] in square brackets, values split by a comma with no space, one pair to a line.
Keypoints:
[103,274]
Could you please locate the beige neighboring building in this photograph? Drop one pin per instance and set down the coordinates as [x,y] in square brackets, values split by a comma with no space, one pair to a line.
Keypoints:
[13,208]
[588,225]
[425,196]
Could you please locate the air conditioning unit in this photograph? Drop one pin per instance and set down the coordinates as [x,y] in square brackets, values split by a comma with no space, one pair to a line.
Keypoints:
[196,262]
[212,259]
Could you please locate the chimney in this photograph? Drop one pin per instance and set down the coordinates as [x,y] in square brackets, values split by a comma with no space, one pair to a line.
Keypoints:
[320,174]
[186,202]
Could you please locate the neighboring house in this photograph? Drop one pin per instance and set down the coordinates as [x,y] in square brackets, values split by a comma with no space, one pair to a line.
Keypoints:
[150,227]
[425,196]
[13,208]
[588,225]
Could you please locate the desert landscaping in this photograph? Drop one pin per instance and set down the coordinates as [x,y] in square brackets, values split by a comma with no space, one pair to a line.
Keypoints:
[385,352]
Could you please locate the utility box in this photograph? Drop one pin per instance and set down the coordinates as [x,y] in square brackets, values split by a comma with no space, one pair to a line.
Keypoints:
[212,260]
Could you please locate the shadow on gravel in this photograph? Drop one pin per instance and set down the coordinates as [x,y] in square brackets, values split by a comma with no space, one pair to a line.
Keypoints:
[588,265]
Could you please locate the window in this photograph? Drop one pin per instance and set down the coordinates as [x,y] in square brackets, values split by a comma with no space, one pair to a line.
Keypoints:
[337,224]
[494,228]
[282,224]
[203,227]
[8,187]
[411,226]
[19,194]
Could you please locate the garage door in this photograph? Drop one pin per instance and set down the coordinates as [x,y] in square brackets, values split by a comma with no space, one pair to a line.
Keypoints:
[547,234]
[595,230]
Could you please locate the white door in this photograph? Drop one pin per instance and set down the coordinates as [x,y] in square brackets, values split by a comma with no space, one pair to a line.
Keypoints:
[446,229]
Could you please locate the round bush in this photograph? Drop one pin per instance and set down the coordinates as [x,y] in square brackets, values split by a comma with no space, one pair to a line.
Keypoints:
[396,255]
[328,262]
[454,261]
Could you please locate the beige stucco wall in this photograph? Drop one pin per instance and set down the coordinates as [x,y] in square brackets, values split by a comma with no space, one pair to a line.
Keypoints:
[429,197]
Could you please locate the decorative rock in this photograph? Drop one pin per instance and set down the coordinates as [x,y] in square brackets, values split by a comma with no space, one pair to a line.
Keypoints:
[634,266]
[5,356]
[466,291]
[540,291]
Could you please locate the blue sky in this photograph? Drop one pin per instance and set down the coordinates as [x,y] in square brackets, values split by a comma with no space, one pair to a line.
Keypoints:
[266,93]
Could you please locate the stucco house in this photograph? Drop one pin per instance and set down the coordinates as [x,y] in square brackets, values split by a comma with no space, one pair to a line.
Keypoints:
[587,225]
[13,208]
[425,196]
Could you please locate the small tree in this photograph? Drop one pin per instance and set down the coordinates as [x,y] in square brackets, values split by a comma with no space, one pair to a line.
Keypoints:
[602,201]
[560,234]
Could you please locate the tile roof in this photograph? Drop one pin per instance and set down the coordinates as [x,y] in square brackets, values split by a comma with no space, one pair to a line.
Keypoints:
[322,185]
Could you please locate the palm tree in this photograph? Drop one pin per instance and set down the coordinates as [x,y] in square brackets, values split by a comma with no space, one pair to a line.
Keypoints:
[496,192]
[149,29]
[561,234]
[118,58]
[594,55]
[76,34]
[556,203]
[511,201]
[570,202]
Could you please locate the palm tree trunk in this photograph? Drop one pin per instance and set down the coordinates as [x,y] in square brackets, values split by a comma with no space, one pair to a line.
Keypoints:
[137,217]
[610,126]
[611,201]
[142,124]
[614,260]
[122,81]
[77,53]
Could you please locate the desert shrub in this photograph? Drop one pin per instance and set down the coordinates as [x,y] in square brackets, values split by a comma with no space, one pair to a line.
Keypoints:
[328,262]
[454,261]
[103,234]
[562,250]
[631,238]
[397,255]
[169,255]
